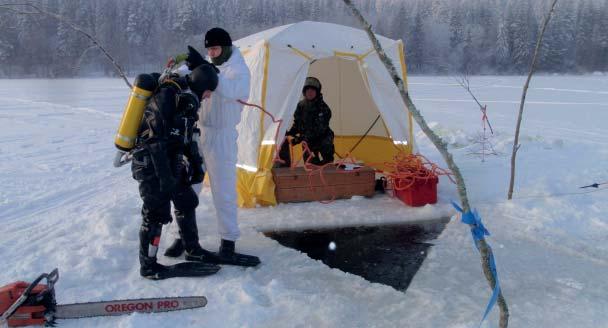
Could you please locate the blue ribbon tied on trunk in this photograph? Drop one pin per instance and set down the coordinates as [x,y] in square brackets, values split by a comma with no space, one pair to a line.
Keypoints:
[479,231]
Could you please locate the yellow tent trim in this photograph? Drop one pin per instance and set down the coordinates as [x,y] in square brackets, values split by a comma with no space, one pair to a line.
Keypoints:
[257,187]
[245,52]
[410,120]
[264,90]
[367,53]
[301,53]
[403,64]
[358,57]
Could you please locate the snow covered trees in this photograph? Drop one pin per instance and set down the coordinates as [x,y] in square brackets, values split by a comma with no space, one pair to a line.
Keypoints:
[485,36]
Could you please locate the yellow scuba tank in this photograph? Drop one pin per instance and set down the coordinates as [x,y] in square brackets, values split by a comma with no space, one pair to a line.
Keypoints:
[144,86]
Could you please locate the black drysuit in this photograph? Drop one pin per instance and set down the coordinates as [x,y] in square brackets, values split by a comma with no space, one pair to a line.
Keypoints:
[166,139]
[311,124]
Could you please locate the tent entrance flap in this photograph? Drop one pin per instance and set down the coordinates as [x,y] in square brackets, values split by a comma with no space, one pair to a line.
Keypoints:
[346,90]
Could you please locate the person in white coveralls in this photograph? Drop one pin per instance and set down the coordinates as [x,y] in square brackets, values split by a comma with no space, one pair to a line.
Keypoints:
[219,114]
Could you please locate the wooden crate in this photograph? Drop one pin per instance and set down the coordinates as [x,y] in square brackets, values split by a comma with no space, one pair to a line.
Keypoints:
[294,185]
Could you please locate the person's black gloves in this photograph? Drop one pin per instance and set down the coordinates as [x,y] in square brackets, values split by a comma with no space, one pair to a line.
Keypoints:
[197,174]
[296,140]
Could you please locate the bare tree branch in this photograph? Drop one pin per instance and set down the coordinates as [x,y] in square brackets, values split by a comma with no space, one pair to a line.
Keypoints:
[464,82]
[523,98]
[484,249]
[82,56]
[40,11]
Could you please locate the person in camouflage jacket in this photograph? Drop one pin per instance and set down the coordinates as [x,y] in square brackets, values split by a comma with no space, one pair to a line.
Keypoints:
[311,124]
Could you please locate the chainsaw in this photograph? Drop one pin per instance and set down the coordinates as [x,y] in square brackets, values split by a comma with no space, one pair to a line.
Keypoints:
[26,304]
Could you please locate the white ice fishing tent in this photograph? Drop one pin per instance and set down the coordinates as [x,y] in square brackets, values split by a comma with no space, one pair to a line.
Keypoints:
[356,86]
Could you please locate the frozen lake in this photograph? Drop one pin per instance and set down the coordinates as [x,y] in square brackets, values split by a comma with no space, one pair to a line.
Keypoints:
[63,205]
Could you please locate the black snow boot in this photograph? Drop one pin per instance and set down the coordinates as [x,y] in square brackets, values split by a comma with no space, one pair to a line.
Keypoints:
[227,255]
[176,249]
[188,230]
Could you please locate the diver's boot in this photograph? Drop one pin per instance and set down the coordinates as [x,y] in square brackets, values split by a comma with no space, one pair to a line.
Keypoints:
[188,230]
[176,249]
[149,238]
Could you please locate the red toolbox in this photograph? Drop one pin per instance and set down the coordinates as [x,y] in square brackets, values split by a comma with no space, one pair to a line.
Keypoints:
[421,192]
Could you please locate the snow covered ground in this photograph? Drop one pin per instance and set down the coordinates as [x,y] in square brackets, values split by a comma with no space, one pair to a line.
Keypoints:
[63,205]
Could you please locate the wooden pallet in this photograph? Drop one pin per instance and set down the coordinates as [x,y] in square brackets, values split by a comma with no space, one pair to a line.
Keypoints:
[298,185]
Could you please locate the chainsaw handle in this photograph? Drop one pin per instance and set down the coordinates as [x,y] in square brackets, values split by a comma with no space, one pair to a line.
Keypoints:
[51,279]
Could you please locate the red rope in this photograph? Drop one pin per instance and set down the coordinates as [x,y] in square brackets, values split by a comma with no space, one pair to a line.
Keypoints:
[276,134]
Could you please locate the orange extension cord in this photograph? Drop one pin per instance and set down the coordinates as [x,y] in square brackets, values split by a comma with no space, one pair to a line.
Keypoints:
[407,169]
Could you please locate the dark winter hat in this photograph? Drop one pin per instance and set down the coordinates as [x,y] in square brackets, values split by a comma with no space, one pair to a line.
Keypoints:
[217,37]
[203,78]
[312,82]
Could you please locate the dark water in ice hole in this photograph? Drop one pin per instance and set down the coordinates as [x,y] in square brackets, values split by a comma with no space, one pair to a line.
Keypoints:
[389,255]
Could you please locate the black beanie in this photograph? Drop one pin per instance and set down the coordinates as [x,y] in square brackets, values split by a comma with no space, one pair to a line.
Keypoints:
[217,37]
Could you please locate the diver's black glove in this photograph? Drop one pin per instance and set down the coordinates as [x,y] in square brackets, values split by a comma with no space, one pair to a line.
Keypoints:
[195,60]
[197,174]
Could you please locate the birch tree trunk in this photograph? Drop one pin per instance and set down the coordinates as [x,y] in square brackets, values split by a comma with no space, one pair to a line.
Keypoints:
[516,144]
[441,146]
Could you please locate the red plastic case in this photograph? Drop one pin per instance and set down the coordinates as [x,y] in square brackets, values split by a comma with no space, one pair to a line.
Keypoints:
[422,192]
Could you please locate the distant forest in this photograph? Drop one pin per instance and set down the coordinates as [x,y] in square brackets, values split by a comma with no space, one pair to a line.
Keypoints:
[441,36]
